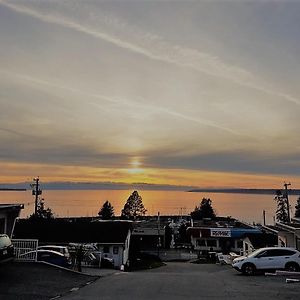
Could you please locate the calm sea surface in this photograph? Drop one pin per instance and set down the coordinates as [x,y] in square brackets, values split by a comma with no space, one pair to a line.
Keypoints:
[88,202]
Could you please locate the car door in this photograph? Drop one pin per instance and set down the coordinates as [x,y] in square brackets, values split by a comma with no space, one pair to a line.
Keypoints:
[265,260]
[283,257]
[276,258]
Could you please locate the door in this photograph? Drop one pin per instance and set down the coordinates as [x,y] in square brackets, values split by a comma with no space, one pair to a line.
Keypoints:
[266,260]
[2,225]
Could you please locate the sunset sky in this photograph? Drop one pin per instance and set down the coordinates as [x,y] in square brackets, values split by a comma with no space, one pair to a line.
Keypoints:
[202,93]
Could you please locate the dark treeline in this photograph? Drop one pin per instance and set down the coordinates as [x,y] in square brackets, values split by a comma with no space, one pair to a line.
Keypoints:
[245,191]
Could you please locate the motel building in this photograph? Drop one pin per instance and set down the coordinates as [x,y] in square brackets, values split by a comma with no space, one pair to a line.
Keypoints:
[219,235]
[289,234]
[8,215]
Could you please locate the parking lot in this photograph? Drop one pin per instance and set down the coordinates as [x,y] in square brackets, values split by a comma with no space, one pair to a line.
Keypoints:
[174,281]
[188,281]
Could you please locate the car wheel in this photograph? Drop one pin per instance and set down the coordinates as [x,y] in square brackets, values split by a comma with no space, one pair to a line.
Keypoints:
[292,267]
[248,269]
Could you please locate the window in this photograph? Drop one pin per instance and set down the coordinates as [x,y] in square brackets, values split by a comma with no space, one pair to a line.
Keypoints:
[276,252]
[263,254]
[2,225]
[298,243]
[239,244]
[106,249]
[201,243]
[284,252]
[211,243]
[116,250]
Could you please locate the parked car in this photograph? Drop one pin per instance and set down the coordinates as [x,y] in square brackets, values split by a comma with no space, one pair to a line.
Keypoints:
[107,262]
[91,254]
[49,256]
[61,249]
[6,249]
[271,258]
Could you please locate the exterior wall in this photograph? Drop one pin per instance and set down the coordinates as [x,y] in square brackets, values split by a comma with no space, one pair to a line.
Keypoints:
[113,251]
[286,239]
[118,252]
[148,237]
[215,244]
[125,260]
[3,221]
[7,220]
[247,246]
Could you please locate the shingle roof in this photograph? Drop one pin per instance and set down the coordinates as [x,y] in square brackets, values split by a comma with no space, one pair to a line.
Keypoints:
[11,206]
[63,231]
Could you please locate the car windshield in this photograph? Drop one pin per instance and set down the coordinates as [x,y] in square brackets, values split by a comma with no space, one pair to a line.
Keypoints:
[4,241]
[255,253]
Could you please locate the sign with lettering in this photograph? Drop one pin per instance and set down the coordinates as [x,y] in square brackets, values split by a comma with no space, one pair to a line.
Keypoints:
[220,232]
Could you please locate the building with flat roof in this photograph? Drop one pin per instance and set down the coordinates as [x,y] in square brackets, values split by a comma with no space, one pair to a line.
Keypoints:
[8,215]
[221,234]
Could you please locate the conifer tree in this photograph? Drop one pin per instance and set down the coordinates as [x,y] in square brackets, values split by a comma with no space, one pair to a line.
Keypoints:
[204,210]
[133,207]
[42,212]
[107,211]
[282,208]
[297,208]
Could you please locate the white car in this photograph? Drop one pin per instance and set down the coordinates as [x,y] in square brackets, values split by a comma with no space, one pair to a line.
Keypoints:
[271,258]
[61,249]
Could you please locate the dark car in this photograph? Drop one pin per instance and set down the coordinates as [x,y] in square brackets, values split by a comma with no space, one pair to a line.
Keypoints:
[107,262]
[6,249]
[49,256]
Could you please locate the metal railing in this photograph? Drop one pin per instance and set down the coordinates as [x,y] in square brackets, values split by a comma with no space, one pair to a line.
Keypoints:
[25,250]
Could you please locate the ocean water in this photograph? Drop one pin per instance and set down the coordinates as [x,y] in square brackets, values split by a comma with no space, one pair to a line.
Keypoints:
[70,203]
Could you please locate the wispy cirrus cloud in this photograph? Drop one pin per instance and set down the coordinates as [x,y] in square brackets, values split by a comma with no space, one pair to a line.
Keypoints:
[150,46]
[160,50]
[120,101]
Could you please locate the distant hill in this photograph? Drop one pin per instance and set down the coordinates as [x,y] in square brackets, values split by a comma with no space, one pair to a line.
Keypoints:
[96,186]
[12,189]
[244,191]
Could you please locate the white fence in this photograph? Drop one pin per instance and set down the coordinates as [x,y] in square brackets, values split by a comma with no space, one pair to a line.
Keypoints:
[25,250]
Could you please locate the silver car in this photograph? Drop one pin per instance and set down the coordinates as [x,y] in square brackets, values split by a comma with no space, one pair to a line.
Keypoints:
[61,249]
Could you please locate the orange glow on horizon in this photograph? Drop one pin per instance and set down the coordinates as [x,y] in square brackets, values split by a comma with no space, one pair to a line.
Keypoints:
[14,172]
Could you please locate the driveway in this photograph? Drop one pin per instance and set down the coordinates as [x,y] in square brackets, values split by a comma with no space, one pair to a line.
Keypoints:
[187,281]
[32,281]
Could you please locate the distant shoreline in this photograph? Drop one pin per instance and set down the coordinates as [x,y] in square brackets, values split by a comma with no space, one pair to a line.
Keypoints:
[146,187]
[12,190]
[244,191]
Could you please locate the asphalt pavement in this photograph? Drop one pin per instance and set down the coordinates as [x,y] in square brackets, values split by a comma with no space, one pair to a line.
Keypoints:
[187,281]
[38,281]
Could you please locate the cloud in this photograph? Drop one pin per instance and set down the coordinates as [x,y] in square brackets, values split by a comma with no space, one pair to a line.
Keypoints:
[163,51]
[232,162]
[120,101]
[153,47]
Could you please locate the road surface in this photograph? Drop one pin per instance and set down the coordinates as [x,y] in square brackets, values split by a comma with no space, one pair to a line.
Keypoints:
[187,281]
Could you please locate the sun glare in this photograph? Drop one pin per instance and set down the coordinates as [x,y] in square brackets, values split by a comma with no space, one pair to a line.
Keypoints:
[135,166]
[135,163]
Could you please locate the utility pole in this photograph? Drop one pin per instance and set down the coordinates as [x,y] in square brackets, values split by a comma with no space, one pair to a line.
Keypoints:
[264,217]
[36,191]
[287,200]
[158,232]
